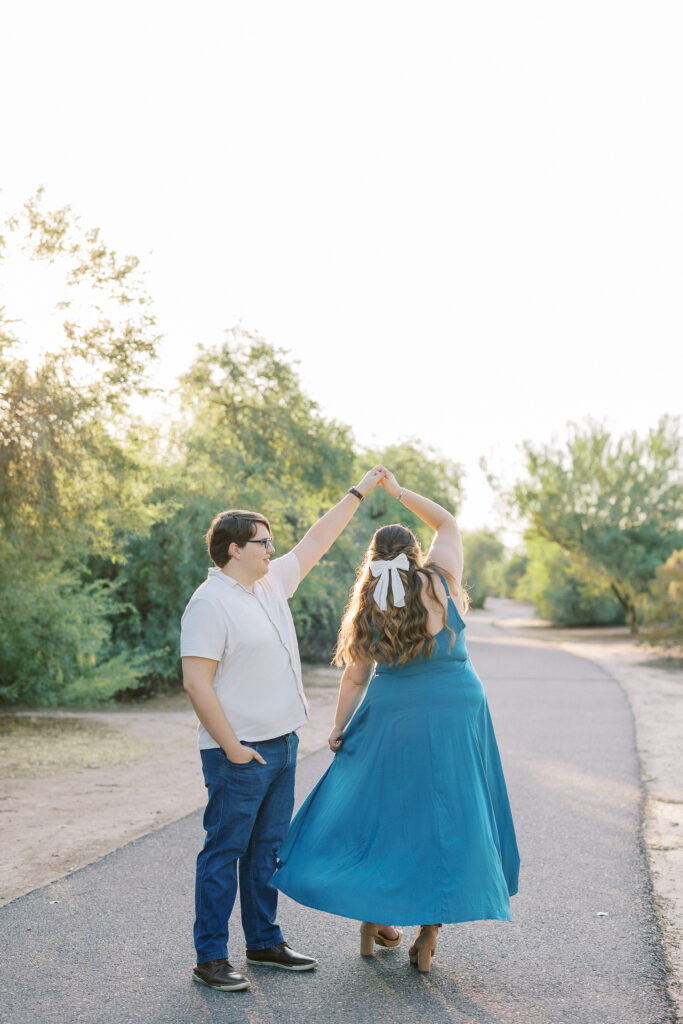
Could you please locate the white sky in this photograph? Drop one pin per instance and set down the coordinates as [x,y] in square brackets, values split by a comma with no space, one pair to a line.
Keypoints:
[465,220]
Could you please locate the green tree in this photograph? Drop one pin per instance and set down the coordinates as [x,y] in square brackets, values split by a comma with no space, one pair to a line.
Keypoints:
[615,503]
[251,438]
[248,437]
[102,523]
[421,468]
[70,469]
[565,588]
[483,554]
[504,576]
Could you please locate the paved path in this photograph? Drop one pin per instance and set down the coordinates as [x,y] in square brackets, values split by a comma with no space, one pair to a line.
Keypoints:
[111,943]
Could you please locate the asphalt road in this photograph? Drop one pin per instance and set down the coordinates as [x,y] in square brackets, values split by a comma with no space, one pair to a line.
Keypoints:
[111,943]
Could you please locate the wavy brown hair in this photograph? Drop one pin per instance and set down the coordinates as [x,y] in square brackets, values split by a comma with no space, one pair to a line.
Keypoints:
[396,635]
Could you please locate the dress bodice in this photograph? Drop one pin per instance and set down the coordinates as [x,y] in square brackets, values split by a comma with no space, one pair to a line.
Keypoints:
[445,648]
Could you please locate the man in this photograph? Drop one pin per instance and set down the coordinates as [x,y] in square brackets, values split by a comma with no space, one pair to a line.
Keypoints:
[242,672]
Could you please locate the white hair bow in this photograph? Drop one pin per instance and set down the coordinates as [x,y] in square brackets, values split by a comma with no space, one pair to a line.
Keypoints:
[389,571]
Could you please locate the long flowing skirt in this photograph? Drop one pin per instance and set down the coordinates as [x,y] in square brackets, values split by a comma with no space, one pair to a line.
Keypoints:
[411,823]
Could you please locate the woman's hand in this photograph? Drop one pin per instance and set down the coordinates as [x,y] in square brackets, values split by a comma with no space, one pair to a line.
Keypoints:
[388,482]
[334,740]
[370,480]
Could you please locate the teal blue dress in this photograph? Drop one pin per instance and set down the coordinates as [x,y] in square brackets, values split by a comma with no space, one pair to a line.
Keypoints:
[411,822]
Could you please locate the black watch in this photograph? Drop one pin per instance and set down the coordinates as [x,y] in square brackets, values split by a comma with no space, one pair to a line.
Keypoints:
[356,494]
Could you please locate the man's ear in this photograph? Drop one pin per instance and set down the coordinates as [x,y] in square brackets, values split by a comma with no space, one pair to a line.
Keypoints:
[234,550]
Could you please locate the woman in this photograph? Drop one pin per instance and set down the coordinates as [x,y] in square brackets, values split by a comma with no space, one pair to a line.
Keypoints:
[411,822]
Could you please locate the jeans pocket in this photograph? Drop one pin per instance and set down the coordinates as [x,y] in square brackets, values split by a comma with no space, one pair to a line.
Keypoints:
[241,766]
[213,761]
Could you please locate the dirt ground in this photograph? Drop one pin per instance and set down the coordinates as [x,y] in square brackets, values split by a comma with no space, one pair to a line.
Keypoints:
[76,785]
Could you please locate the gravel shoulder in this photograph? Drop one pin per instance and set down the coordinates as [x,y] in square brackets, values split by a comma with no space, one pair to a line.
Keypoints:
[653,682]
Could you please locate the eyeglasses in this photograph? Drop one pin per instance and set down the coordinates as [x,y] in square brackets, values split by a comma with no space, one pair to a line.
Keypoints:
[262,540]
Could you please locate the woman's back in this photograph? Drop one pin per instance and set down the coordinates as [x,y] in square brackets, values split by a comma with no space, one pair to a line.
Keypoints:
[444,623]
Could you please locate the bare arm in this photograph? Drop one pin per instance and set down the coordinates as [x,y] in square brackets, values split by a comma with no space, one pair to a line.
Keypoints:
[198,676]
[354,680]
[446,547]
[323,534]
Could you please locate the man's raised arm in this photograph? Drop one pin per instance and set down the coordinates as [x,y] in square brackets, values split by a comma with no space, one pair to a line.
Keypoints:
[323,534]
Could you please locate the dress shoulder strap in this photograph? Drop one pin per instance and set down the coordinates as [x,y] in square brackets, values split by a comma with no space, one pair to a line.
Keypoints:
[443,580]
[449,597]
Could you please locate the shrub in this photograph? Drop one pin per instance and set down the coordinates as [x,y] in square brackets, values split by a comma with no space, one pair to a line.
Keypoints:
[483,554]
[55,643]
[504,576]
[565,589]
[664,609]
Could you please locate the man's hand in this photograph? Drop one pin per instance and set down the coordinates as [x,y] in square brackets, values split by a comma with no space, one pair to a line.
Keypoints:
[334,740]
[244,755]
[323,534]
[371,479]
[388,482]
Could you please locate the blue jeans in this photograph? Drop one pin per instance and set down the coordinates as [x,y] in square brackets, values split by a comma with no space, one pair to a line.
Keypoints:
[246,819]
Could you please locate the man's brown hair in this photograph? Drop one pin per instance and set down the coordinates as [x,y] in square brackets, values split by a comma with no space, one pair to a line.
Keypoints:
[236,526]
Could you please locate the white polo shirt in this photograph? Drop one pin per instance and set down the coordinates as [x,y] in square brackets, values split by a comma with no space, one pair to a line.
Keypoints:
[252,637]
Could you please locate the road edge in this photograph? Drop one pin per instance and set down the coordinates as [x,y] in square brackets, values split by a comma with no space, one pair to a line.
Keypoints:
[321,755]
[661,843]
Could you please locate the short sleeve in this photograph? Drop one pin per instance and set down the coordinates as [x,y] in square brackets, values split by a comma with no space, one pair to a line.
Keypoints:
[285,573]
[203,632]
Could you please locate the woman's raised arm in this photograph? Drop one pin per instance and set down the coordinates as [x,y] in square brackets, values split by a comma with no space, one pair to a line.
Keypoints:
[446,547]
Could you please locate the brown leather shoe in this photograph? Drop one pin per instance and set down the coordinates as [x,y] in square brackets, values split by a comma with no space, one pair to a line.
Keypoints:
[219,974]
[281,956]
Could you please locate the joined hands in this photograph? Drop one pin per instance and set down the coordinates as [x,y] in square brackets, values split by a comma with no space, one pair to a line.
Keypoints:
[379,475]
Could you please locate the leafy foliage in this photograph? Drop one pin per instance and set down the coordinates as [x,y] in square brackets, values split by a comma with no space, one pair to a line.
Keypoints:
[565,588]
[250,438]
[102,521]
[504,576]
[483,553]
[664,613]
[614,504]
[55,644]
[70,470]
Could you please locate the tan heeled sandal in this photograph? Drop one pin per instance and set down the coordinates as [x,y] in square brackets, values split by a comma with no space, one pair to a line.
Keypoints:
[424,947]
[370,934]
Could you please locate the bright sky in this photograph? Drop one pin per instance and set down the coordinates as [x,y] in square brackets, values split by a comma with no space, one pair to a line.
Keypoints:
[465,220]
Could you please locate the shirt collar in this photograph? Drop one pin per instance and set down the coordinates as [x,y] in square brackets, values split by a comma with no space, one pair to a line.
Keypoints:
[218,574]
